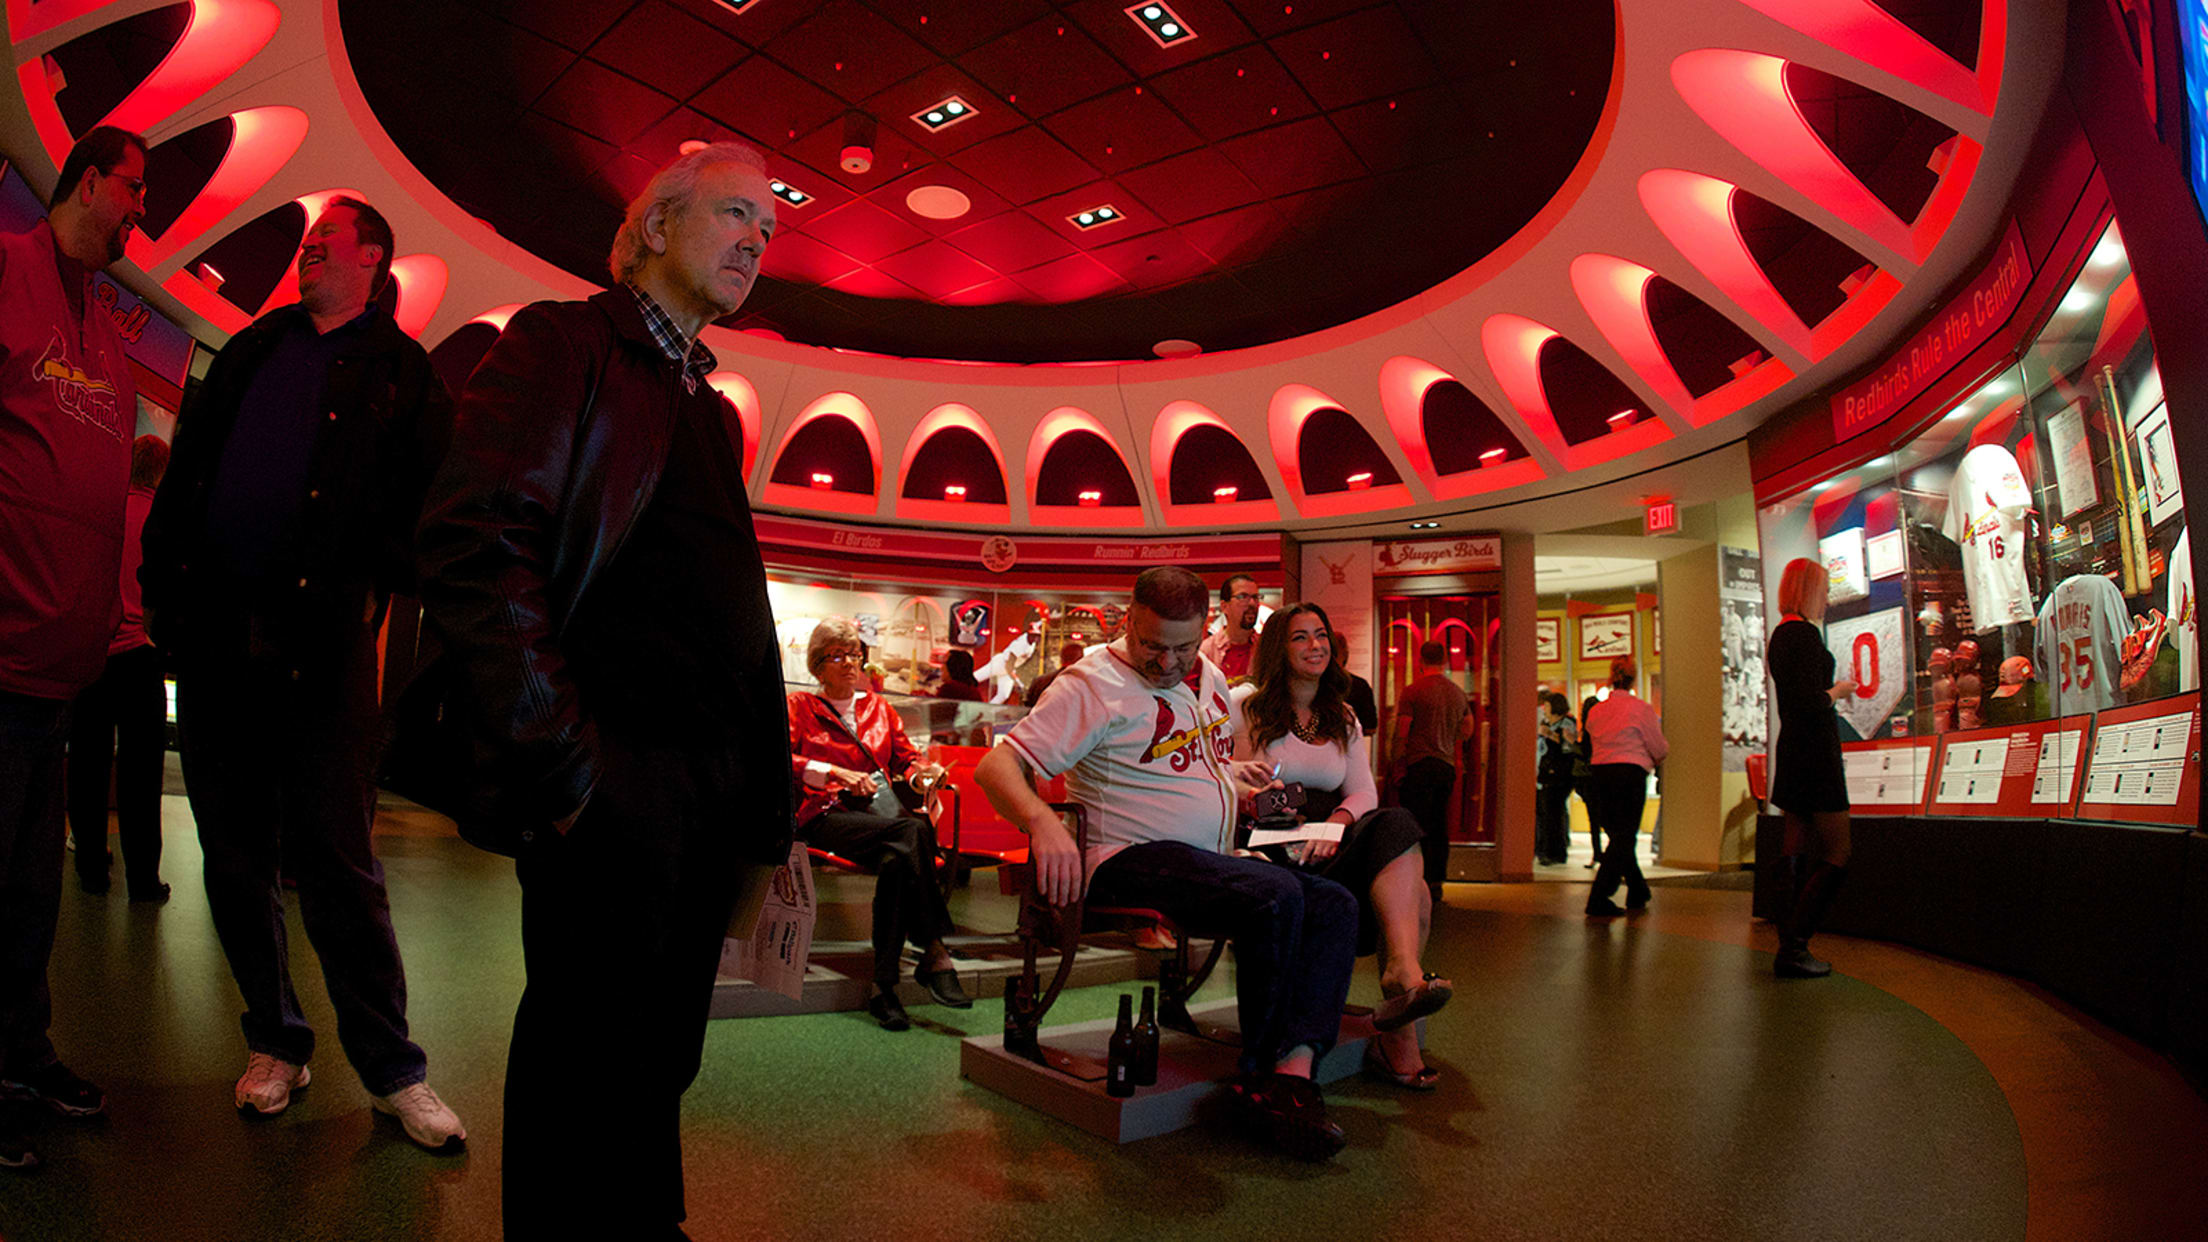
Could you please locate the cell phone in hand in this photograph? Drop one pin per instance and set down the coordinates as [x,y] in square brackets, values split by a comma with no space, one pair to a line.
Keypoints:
[1278,803]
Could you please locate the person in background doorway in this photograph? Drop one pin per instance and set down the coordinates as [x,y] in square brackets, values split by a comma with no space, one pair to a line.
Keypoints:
[1236,640]
[1559,744]
[959,681]
[1434,721]
[847,746]
[1583,780]
[1628,744]
[119,722]
[67,410]
[1810,785]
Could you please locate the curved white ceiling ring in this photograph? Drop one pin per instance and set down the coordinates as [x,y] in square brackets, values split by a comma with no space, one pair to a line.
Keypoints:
[848,407]
[1404,383]
[1054,425]
[1292,406]
[1615,294]
[1176,420]
[953,414]
[1872,35]
[1513,345]
[1695,214]
[219,38]
[729,384]
[262,141]
[499,316]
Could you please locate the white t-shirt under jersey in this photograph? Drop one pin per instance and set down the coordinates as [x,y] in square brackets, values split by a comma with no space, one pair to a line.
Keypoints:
[2081,637]
[2184,613]
[1986,504]
[1147,764]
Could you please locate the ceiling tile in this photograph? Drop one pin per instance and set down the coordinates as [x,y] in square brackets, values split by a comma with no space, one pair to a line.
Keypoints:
[936,269]
[1351,59]
[576,24]
[1235,93]
[1155,260]
[1400,132]
[864,231]
[982,203]
[1075,278]
[1024,165]
[846,48]
[803,260]
[603,104]
[894,109]
[1272,19]
[1121,130]
[768,102]
[756,25]
[1044,66]
[1288,159]
[661,45]
[1135,218]
[564,143]
[995,291]
[1236,236]
[953,29]
[663,141]
[821,152]
[1011,242]
[1217,29]
[1191,186]
[869,282]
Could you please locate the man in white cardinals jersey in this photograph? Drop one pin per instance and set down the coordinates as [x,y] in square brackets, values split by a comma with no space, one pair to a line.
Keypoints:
[2184,613]
[1986,504]
[2081,632]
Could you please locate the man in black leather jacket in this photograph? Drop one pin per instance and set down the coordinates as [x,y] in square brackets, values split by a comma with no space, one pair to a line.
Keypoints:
[281,530]
[589,570]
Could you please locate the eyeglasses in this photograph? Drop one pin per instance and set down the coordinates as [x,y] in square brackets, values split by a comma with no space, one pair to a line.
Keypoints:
[137,184]
[1244,597]
[842,657]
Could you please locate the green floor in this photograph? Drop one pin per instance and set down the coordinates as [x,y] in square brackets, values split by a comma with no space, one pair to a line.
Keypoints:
[1598,1082]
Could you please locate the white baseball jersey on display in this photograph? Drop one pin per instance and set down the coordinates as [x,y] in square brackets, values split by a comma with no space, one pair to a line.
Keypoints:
[2081,636]
[2184,613]
[1986,504]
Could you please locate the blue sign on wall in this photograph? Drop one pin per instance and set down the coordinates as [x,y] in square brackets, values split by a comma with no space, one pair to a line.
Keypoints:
[2192,40]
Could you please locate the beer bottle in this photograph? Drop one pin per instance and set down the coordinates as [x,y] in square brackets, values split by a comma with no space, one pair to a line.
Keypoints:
[1119,1073]
[1146,1041]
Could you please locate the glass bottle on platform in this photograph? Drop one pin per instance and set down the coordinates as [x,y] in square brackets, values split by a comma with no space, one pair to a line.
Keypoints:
[1119,1063]
[1146,1041]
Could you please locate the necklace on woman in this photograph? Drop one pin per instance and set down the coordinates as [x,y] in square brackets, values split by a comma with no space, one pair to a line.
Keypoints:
[1307,733]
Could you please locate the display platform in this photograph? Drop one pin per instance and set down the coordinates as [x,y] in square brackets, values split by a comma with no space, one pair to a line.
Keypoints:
[839,976]
[1191,1071]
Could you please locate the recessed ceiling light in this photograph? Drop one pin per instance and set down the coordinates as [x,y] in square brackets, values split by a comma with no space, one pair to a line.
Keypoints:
[1096,217]
[1162,23]
[1224,495]
[1175,347]
[736,6]
[789,193]
[692,147]
[938,202]
[943,113]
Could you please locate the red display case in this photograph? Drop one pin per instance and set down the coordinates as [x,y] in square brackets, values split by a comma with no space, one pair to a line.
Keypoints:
[2144,765]
[2016,771]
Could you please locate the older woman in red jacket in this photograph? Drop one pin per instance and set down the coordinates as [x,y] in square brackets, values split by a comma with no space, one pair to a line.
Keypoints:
[847,746]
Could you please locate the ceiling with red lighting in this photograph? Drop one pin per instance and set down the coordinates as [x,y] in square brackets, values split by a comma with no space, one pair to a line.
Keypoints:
[1289,167]
[1481,255]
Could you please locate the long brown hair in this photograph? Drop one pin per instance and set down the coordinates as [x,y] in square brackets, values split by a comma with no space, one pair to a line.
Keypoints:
[1270,712]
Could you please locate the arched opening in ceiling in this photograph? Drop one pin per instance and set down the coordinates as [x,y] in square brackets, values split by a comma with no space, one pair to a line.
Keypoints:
[254,258]
[1335,453]
[102,67]
[1461,431]
[954,456]
[1889,146]
[1952,26]
[178,169]
[827,453]
[1707,350]
[1584,396]
[1080,460]
[1813,271]
[1208,459]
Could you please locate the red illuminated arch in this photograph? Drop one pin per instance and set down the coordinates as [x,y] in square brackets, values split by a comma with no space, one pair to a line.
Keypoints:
[941,418]
[1404,381]
[832,405]
[1057,423]
[1513,347]
[217,41]
[421,279]
[1292,406]
[263,140]
[1615,293]
[1177,419]
[1864,30]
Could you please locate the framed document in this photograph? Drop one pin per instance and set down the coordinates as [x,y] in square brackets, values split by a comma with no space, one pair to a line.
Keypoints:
[1548,640]
[1605,635]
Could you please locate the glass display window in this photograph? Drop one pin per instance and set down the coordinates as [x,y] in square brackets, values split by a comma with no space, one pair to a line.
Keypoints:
[1854,525]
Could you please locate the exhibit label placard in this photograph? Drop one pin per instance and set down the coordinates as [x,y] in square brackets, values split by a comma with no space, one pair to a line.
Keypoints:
[2014,770]
[1890,776]
[2145,764]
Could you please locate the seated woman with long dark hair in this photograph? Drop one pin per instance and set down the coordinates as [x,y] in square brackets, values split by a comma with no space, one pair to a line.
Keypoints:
[847,745]
[1294,713]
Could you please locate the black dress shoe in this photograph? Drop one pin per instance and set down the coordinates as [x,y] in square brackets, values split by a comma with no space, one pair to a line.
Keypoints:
[1289,1115]
[943,986]
[92,881]
[1637,901]
[888,1010]
[157,893]
[1603,908]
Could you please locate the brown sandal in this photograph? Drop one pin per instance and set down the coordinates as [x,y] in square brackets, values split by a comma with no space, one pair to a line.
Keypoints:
[1424,1078]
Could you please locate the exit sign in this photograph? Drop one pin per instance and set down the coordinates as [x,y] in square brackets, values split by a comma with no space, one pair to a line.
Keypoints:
[1662,518]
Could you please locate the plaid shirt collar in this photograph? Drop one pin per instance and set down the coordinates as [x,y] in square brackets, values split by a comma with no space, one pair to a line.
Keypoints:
[697,361]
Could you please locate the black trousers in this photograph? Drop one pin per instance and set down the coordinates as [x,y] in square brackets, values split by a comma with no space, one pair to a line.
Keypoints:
[1552,830]
[1424,792]
[621,929]
[31,836]
[1620,793]
[901,851]
[118,722]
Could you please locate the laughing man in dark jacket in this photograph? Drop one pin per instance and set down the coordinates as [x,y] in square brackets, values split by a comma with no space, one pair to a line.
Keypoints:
[589,566]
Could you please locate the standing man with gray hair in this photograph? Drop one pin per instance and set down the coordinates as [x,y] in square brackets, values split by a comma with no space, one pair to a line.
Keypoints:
[277,538]
[67,410]
[589,567]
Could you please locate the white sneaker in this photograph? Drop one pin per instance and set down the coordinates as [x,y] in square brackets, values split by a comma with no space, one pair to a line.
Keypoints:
[267,1084]
[428,1122]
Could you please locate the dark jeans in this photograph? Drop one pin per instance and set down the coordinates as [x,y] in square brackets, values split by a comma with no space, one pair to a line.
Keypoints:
[1552,822]
[1294,934]
[118,721]
[1424,792]
[907,904]
[1620,793]
[621,929]
[277,772]
[31,834]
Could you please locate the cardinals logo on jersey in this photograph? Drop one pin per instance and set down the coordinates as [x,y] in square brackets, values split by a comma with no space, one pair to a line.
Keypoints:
[1177,747]
[80,396]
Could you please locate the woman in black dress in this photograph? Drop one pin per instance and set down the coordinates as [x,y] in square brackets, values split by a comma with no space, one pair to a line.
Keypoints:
[1810,784]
